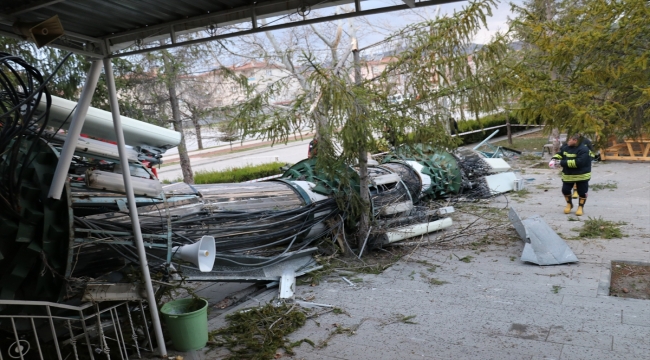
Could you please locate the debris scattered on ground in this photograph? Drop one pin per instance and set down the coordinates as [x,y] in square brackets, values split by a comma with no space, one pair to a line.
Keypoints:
[600,228]
[542,245]
[399,318]
[258,333]
[287,283]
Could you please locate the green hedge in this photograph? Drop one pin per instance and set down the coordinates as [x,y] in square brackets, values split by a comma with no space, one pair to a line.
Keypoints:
[238,174]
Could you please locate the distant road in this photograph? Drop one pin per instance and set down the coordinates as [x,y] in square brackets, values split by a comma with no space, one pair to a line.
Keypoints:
[290,153]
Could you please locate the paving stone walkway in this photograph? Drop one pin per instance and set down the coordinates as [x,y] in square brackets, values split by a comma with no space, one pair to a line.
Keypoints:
[495,306]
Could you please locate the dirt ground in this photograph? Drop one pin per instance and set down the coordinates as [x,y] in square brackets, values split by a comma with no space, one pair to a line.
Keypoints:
[630,280]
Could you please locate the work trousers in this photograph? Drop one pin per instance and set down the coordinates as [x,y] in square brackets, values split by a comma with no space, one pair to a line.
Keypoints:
[582,186]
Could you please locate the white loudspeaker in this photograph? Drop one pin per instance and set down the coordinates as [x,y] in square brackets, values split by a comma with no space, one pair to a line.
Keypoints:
[41,33]
[200,253]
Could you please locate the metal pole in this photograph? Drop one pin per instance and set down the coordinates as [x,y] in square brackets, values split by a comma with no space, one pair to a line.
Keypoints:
[364,191]
[61,172]
[486,140]
[137,233]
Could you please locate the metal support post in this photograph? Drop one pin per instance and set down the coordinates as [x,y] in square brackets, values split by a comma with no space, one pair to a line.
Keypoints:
[61,172]
[133,211]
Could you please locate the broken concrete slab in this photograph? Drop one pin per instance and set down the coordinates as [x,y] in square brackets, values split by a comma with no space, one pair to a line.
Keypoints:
[498,165]
[543,246]
[501,182]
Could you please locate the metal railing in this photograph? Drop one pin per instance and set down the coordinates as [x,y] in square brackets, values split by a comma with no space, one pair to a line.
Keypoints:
[44,330]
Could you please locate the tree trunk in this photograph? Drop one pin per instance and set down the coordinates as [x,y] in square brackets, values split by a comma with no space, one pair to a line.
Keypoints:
[186,167]
[508,129]
[556,140]
[555,133]
[364,192]
[197,128]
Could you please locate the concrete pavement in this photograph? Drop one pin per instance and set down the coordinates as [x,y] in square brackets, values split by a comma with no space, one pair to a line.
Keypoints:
[494,306]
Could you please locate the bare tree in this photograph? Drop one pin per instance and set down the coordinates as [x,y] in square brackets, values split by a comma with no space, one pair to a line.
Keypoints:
[162,93]
[197,104]
[438,65]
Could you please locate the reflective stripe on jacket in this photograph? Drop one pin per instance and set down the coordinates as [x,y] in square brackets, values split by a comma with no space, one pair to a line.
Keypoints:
[575,162]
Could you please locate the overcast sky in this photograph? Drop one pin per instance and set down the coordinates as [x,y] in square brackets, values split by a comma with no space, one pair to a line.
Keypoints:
[496,22]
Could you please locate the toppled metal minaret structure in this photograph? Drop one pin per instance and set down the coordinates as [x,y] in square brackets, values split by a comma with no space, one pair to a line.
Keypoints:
[84,237]
[80,247]
[542,245]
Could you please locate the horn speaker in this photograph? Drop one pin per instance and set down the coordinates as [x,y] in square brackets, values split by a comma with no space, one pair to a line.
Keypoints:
[200,253]
[42,33]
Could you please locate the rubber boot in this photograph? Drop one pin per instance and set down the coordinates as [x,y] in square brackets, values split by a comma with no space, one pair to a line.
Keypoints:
[569,204]
[581,204]
[575,191]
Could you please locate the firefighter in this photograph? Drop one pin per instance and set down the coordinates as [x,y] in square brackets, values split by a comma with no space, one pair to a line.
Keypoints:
[576,170]
[592,156]
[313,149]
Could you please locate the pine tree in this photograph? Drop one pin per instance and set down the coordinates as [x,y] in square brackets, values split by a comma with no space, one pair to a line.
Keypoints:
[586,68]
[441,70]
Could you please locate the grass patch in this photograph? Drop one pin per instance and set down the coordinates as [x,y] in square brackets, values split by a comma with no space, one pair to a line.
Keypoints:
[600,228]
[407,319]
[529,144]
[338,311]
[257,333]
[530,157]
[399,318]
[465,259]
[235,175]
[521,193]
[338,329]
[608,185]
[434,281]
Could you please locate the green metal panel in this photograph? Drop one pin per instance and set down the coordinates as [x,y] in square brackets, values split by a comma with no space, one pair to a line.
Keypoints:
[440,165]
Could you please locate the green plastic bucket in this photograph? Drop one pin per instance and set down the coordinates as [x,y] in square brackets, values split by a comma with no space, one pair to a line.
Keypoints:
[187,323]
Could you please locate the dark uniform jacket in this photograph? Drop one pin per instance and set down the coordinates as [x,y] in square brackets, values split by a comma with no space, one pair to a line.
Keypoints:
[575,162]
[590,146]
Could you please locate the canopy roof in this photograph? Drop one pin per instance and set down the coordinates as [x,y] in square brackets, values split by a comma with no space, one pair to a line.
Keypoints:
[112,28]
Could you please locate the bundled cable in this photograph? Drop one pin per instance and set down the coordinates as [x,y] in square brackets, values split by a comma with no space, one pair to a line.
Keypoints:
[22,88]
[234,232]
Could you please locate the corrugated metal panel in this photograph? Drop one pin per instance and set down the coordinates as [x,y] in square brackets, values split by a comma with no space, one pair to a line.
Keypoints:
[123,22]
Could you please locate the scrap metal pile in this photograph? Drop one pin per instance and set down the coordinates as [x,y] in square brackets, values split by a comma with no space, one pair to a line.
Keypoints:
[60,250]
